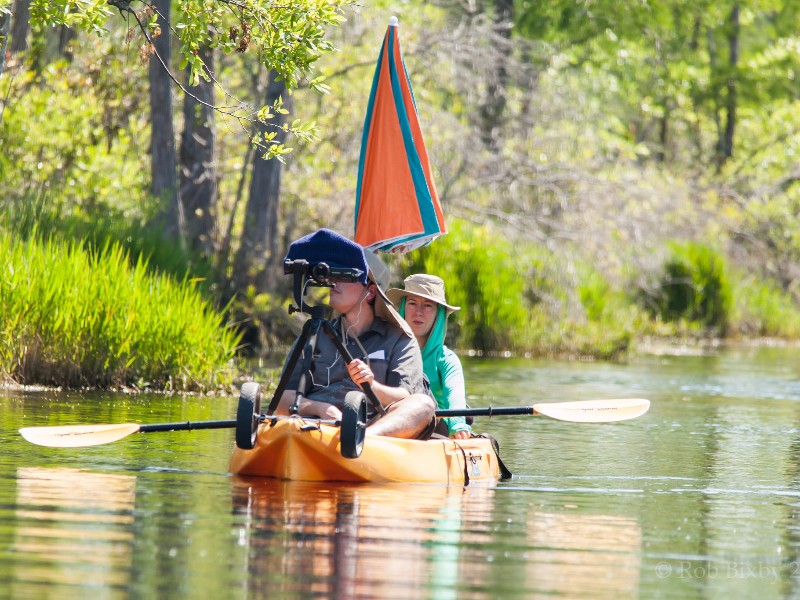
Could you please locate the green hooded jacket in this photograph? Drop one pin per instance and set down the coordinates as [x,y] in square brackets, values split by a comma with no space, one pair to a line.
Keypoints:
[443,369]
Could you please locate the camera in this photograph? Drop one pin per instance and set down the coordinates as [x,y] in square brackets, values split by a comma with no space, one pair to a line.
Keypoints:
[321,273]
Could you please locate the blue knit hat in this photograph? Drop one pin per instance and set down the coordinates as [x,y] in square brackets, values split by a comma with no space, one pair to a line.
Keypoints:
[331,248]
[338,252]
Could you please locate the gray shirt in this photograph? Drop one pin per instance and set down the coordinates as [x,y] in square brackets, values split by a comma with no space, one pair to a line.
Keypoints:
[393,356]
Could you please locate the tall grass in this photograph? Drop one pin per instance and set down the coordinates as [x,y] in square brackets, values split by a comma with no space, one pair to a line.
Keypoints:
[45,210]
[76,317]
[762,309]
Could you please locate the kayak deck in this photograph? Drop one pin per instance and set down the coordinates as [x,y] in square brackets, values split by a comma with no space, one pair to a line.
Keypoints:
[306,450]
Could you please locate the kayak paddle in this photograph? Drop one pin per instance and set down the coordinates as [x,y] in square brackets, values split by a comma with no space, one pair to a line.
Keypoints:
[580,411]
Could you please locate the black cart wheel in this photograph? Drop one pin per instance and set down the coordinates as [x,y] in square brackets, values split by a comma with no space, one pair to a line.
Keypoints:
[248,415]
[354,424]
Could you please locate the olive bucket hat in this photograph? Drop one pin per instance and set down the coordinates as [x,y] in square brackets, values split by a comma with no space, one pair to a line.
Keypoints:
[425,286]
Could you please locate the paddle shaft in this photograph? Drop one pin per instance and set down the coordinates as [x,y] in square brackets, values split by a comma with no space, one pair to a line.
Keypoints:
[187,426]
[231,423]
[588,411]
[485,412]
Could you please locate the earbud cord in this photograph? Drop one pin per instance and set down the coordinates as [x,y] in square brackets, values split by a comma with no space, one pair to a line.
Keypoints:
[346,335]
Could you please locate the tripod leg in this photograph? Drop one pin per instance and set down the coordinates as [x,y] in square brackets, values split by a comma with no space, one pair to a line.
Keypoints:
[300,345]
[305,371]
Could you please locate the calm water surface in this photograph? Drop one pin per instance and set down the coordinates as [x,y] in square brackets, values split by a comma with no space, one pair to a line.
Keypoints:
[698,498]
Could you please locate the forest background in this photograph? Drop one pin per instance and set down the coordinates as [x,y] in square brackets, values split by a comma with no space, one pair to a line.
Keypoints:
[610,172]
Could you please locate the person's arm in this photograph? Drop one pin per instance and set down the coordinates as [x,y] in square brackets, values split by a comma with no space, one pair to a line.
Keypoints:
[360,373]
[403,370]
[455,395]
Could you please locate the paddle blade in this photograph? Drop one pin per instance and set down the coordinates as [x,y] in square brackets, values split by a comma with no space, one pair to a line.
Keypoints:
[594,411]
[76,436]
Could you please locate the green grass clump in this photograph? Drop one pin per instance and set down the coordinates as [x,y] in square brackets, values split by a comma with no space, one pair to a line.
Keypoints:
[695,286]
[77,318]
[762,309]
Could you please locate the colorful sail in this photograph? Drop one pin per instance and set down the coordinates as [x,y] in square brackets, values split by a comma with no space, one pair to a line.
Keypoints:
[397,207]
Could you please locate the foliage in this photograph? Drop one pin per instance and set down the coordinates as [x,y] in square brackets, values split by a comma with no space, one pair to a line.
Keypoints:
[85,164]
[770,230]
[77,154]
[669,70]
[511,297]
[695,286]
[762,309]
[83,176]
[286,37]
[79,318]
[605,153]
[483,280]
[596,296]
[272,327]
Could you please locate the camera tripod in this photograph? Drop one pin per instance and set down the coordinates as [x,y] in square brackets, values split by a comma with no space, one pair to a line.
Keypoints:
[354,411]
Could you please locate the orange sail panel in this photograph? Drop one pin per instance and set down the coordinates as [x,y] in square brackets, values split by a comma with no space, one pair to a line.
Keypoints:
[397,207]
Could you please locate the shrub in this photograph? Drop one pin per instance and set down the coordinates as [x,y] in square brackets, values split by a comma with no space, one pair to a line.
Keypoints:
[763,309]
[695,286]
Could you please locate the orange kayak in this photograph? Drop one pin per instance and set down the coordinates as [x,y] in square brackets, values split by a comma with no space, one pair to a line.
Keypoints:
[306,450]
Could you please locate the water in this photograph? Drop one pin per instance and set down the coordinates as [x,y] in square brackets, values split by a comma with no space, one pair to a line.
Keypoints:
[698,498]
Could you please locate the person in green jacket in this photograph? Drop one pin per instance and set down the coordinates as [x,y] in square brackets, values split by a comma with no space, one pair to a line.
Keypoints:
[423,305]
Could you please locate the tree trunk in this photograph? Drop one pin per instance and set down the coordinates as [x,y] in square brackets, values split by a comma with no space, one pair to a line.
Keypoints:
[715,92]
[663,137]
[65,36]
[495,101]
[259,242]
[696,133]
[20,23]
[5,27]
[226,273]
[732,98]
[198,172]
[162,134]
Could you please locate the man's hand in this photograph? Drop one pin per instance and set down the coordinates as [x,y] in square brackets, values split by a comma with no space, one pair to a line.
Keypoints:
[360,372]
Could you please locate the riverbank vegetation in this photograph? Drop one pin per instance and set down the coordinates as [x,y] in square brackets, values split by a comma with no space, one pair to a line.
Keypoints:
[607,176]
[78,316]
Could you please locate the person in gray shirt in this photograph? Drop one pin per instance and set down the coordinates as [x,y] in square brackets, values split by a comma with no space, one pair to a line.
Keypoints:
[385,353]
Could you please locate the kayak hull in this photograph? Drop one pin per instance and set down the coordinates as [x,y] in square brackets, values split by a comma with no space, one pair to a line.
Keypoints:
[301,450]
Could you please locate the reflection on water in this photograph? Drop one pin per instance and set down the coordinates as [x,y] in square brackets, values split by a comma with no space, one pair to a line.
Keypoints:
[384,541]
[576,552]
[374,541]
[76,535]
[72,531]
[698,498]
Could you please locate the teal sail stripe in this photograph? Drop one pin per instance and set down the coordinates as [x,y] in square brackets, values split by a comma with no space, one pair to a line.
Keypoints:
[435,231]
